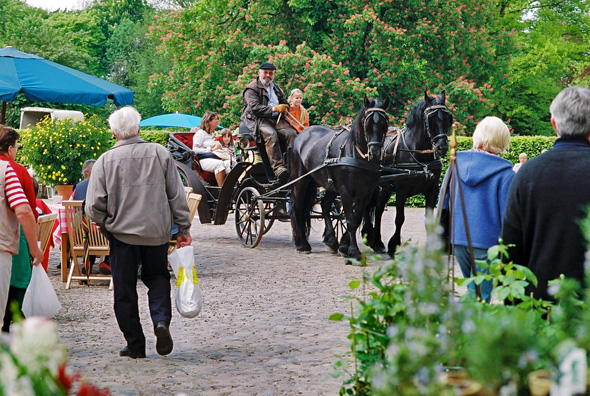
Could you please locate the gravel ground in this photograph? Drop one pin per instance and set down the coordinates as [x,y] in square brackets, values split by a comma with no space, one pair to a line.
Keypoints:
[263,329]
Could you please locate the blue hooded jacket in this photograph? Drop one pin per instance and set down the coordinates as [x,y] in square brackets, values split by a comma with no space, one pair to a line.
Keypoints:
[485,179]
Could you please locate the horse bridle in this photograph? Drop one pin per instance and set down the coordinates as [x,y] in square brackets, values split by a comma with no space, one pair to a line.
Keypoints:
[429,111]
[370,112]
[401,135]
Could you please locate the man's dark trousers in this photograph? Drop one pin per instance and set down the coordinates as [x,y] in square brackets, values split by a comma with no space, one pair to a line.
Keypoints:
[125,260]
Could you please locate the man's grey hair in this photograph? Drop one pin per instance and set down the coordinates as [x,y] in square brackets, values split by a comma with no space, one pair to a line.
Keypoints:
[87,167]
[125,122]
[571,111]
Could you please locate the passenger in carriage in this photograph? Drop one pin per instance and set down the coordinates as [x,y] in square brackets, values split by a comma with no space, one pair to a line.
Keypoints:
[264,112]
[297,116]
[227,143]
[205,147]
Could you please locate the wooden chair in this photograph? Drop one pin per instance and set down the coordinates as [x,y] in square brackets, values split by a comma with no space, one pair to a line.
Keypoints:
[193,204]
[98,244]
[45,225]
[188,191]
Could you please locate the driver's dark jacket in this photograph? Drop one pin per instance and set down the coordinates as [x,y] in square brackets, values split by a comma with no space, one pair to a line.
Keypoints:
[256,106]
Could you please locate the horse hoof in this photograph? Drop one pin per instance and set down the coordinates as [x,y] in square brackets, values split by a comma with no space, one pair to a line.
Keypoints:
[303,251]
[379,249]
[332,249]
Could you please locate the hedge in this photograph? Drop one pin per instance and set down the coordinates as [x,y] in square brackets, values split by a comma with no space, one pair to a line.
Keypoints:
[531,145]
[156,136]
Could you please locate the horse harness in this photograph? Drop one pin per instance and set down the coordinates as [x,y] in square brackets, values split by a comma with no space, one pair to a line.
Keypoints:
[354,162]
[417,167]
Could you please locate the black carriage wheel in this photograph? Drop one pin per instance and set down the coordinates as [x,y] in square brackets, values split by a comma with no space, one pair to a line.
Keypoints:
[249,217]
[183,177]
[267,222]
[338,219]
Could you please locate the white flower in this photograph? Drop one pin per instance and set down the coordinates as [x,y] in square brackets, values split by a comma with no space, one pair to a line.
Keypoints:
[35,345]
[553,289]
[21,387]
[9,372]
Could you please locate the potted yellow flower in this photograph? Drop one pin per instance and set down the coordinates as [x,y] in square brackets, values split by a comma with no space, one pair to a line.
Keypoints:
[57,149]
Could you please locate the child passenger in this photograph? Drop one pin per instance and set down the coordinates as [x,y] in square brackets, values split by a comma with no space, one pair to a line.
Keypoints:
[297,116]
[227,143]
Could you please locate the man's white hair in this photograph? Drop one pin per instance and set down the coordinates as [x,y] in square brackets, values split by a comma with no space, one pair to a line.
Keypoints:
[125,122]
[571,112]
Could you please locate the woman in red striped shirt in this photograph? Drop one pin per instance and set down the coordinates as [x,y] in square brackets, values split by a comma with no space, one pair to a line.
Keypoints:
[14,209]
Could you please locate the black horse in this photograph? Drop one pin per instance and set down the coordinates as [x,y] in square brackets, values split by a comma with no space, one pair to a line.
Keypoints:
[412,164]
[346,163]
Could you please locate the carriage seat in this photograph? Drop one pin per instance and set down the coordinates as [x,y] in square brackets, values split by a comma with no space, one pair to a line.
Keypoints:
[209,177]
[180,145]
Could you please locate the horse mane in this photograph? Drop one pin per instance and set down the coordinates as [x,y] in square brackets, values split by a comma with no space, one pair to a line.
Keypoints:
[416,116]
[357,124]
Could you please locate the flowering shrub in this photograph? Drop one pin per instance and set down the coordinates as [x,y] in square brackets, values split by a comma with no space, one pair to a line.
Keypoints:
[57,149]
[33,362]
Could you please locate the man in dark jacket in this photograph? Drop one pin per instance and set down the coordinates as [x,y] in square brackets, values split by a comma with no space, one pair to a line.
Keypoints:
[264,112]
[549,196]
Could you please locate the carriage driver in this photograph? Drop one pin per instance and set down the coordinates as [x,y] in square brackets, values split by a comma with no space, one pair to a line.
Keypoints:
[264,108]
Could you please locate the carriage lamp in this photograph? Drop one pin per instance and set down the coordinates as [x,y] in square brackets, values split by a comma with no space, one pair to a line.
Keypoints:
[244,143]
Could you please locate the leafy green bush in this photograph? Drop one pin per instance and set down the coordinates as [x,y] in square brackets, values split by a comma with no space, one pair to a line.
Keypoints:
[155,136]
[57,149]
[408,329]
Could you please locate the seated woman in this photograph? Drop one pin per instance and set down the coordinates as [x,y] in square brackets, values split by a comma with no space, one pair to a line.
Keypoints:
[205,147]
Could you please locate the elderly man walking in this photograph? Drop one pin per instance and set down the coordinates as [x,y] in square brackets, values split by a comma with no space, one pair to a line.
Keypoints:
[135,196]
[549,196]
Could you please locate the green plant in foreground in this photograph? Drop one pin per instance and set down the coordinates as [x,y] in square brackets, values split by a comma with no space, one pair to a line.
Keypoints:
[57,149]
[408,328]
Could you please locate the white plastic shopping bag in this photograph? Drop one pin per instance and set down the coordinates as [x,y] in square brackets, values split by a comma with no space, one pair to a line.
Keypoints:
[40,298]
[189,299]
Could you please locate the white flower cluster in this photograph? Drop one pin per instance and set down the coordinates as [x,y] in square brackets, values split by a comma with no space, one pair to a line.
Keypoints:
[32,354]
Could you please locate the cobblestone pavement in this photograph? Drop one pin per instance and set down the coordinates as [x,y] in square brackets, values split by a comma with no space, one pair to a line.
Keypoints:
[263,329]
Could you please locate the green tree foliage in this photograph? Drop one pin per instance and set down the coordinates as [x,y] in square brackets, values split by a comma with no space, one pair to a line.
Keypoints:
[552,54]
[342,48]
[106,39]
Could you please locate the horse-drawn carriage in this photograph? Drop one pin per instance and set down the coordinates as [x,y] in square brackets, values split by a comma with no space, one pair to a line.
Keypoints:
[334,173]
[249,190]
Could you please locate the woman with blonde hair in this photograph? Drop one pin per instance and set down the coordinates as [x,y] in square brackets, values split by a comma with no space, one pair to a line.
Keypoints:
[205,146]
[485,178]
[297,115]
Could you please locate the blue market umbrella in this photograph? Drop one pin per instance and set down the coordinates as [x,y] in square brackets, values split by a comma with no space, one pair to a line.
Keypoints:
[172,120]
[42,80]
